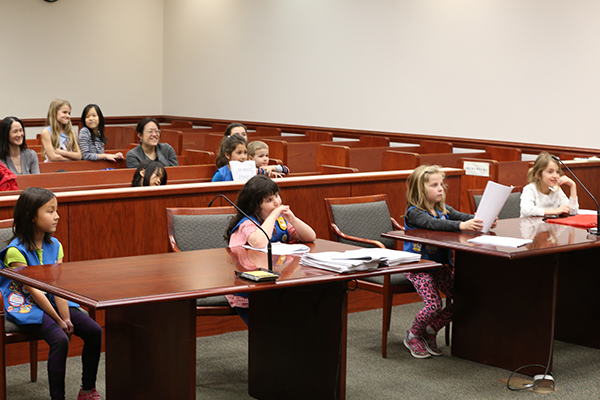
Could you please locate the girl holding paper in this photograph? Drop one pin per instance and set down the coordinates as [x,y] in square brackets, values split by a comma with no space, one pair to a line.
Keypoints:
[425,198]
[543,195]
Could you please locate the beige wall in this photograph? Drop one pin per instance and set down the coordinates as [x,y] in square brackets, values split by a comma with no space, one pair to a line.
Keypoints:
[107,52]
[519,70]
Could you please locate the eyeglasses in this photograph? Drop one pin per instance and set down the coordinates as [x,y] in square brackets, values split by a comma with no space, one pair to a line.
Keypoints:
[153,131]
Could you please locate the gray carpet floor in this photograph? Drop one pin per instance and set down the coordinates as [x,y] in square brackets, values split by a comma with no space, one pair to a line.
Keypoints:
[222,369]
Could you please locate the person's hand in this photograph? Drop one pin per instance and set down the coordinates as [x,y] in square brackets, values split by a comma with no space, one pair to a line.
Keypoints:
[275,174]
[67,326]
[113,157]
[561,210]
[495,223]
[565,180]
[474,225]
[287,214]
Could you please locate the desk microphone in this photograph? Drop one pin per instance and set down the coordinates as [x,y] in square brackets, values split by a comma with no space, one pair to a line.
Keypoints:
[269,252]
[593,231]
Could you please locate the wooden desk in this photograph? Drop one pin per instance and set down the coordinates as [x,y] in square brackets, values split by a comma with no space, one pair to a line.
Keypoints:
[504,298]
[297,336]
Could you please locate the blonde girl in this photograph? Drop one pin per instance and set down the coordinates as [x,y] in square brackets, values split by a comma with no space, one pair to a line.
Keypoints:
[543,195]
[59,142]
[426,209]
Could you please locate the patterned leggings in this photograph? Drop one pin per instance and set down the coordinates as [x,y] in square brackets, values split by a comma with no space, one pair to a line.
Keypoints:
[84,327]
[428,285]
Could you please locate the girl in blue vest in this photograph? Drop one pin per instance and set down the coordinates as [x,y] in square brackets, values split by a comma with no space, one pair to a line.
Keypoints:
[425,198]
[232,148]
[51,318]
[259,198]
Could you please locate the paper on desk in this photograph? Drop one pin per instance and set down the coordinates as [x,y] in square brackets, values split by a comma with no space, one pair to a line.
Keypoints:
[587,212]
[500,241]
[492,201]
[358,260]
[283,249]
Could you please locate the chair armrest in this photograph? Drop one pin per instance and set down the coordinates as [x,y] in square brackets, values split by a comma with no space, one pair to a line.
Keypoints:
[173,244]
[355,238]
[397,225]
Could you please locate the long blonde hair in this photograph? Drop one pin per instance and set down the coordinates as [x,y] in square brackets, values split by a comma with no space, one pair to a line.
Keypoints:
[57,127]
[534,175]
[417,193]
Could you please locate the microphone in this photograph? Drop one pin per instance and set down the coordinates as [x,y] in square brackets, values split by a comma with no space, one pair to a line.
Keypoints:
[593,231]
[269,252]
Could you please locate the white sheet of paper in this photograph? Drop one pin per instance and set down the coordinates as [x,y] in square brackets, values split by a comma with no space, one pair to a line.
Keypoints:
[242,171]
[500,241]
[284,249]
[493,199]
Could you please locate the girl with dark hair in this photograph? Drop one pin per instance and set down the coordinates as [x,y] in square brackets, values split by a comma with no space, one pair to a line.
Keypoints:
[148,132]
[232,148]
[237,129]
[91,136]
[149,173]
[13,149]
[259,198]
[58,138]
[51,318]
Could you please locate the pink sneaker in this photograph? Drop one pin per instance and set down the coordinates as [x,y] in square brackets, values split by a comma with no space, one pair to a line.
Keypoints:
[93,395]
[431,344]
[417,347]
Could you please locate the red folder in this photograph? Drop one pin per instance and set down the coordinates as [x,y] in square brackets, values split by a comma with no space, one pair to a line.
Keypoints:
[579,221]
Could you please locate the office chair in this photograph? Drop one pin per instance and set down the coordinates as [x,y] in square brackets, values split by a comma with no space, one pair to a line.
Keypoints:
[198,229]
[361,221]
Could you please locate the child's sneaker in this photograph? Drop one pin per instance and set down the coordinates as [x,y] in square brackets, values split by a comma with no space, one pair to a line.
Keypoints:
[417,347]
[431,344]
[93,395]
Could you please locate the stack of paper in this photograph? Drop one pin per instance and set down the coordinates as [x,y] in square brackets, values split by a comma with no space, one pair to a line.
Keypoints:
[357,260]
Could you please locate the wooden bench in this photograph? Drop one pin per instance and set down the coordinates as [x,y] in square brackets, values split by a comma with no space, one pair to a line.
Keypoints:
[132,221]
[97,179]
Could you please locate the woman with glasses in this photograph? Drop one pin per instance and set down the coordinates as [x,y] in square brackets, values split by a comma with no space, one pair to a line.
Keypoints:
[148,132]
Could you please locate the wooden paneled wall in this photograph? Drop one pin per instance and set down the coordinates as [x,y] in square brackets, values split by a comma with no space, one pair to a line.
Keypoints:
[98,224]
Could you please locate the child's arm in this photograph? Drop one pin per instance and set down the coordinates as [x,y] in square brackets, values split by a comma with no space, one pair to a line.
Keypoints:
[458,221]
[48,148]
[303,231]
[572,202]
[74,155]
[63,310]
[258,239]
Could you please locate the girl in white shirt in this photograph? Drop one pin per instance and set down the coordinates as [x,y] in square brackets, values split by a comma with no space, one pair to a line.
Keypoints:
[543,195]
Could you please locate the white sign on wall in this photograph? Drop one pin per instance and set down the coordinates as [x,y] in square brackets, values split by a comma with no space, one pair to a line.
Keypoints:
[476,168]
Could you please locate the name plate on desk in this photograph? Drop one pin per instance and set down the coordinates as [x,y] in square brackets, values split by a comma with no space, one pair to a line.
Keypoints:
[475,168]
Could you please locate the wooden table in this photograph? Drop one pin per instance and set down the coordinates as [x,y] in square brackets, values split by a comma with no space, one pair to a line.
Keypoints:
[297,335]
[510,303]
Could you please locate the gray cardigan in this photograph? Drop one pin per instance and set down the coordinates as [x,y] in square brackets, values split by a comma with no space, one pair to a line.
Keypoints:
[29,163]
[164,152]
